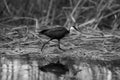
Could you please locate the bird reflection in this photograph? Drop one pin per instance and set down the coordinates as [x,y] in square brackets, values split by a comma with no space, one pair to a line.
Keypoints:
[55,68]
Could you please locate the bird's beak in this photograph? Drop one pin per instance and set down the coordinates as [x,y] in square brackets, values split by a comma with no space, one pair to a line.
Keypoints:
[75,28]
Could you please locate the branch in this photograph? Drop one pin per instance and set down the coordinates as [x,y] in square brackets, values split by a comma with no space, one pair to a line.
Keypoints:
[75,8]
[37,25]
[8,9]
[73,11]
[49,9]
[71,3]
[17,18]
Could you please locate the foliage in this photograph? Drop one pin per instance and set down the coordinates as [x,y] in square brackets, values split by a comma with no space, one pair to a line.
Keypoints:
[20,20]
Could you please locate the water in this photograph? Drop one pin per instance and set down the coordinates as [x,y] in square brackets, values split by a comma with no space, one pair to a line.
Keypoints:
[25,68]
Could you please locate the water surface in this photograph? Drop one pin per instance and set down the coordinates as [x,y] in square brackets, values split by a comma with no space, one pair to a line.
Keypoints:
[25,68]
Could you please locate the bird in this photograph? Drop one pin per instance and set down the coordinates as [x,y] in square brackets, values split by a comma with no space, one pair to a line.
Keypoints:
[56,33]
[55,68]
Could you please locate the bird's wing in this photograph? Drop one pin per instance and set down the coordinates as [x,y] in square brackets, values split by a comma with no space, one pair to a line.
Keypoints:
[57,29]
[43,31]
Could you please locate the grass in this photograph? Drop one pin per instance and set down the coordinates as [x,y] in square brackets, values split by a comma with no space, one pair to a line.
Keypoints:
[19,33]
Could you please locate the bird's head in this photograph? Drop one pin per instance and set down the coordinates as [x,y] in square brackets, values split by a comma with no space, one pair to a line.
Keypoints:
[73,30]
[72,27]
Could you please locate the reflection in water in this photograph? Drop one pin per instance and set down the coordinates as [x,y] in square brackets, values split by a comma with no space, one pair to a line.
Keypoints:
[27,69]
[56,68]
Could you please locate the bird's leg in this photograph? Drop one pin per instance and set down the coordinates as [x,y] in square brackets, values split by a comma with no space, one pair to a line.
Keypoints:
[59,46]
[45,44]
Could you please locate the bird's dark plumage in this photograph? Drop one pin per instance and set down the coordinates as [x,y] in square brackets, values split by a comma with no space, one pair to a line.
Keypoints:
[55,33]
[56,68]
[43,31]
